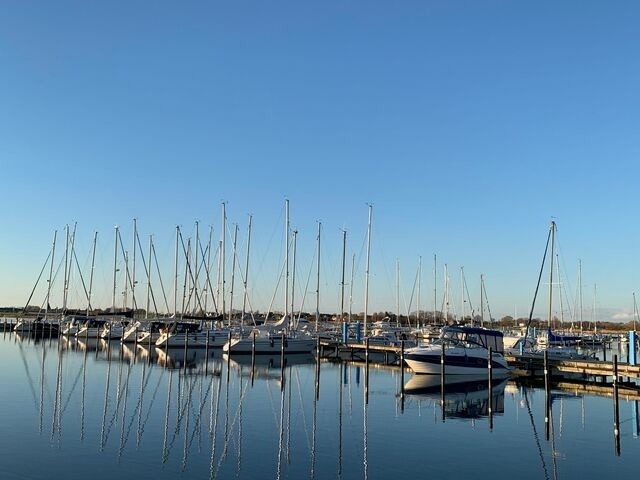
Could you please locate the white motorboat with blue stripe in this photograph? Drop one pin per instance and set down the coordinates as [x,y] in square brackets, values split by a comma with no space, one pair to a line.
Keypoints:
[466,351]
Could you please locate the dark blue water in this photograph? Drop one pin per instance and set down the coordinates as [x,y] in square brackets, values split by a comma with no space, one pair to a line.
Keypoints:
[72,409]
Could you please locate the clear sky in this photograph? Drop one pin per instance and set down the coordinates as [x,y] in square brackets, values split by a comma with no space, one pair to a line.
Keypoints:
[468,125]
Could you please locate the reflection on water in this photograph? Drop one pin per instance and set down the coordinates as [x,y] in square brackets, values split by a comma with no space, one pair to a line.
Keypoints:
[133,411]
[463,396]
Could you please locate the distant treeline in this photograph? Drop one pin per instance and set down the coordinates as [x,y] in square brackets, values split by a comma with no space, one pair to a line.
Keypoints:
[412,320]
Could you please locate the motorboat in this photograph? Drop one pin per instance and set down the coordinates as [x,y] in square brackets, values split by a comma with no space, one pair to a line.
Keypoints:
[465,350]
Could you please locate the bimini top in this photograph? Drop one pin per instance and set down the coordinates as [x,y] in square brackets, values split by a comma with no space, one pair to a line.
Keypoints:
[473,337]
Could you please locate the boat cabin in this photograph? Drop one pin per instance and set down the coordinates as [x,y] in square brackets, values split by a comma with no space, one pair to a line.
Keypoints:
[183,327]
[474,336]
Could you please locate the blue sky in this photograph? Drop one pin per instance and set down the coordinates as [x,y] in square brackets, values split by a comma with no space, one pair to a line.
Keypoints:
[467,125]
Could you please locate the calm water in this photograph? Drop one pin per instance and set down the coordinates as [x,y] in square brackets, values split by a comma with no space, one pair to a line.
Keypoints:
[72,409]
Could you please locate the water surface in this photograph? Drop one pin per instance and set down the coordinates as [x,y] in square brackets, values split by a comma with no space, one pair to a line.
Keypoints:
[76,409]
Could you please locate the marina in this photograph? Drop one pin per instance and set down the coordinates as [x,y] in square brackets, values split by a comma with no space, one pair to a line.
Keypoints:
[184,412]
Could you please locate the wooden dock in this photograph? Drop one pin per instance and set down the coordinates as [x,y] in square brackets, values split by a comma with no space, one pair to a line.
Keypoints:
[524,365]
[534,366]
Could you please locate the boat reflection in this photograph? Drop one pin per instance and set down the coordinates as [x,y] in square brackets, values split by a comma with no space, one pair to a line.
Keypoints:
[270,361]
[463,396]
[266,367]
[195,361]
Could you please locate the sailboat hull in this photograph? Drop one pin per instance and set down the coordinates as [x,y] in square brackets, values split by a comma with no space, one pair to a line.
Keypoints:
[270,345]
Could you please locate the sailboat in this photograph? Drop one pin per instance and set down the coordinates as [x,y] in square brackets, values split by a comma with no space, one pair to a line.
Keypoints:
[556,345]
[279,336]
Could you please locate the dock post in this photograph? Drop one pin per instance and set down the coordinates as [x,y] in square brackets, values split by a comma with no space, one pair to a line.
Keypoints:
[442,384]
[228,357]
[402,367]
[632,347]
[402,376]
[547,397]
[206,354]
[318,369]
[366,371]
[282,340]
[490,364]
[490,368]
[358,332]
[616,409]
[186,346]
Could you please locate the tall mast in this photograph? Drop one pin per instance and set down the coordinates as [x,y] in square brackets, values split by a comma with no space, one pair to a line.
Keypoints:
[93,262]
[318,279]
[293,273]
[233,272]
[366,273]
[125,275]
[580,290]
[286,257]
[246,271]
[73,245]
[185,304]
[435,289]
[553,229]
[146,312]
[344,247]
[53,252]
[446,295]
[222,257]
[419,291]
[115,267]
[197,265]
[397,292]
[218,280]
[208,269]
[481,300]
[133,265]
[462,292]
[65,283]
[175,278]
[353,268]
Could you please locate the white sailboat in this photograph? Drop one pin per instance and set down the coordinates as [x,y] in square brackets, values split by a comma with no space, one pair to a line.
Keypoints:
[279,336]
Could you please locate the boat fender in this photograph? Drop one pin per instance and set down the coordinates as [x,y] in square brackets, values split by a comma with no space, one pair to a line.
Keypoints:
[271,342]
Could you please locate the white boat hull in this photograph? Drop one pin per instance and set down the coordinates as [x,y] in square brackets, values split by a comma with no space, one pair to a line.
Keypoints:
[458,361]
[216,339]
[269,345]
[89,332]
